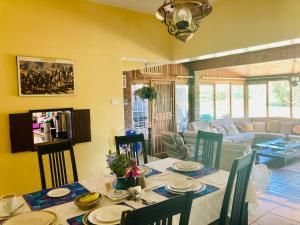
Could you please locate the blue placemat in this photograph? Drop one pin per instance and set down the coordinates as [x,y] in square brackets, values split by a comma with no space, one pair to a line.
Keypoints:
[164,192]
[198,173]
[153,172]
[77,220]
[39,200]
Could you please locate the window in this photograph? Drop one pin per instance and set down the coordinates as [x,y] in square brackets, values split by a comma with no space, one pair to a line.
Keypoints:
[296,102]
[139,112]
[257,100]
[279,98]
[222,100]
[182,106]
[206,99]
[237,101]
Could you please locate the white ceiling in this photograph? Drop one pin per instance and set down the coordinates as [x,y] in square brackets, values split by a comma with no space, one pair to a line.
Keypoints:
[266,68]
[146,6]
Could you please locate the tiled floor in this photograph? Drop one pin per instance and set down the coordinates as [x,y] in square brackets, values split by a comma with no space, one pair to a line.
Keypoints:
[280,204]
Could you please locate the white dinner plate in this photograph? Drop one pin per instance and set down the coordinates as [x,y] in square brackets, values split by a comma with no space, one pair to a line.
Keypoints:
[187,166]
[196,188]
[32,218]
[144,170]
[107,214]
[181,184]
[58,192]
[117,194]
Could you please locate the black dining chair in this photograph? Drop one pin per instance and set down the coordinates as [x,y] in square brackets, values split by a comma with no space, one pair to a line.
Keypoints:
[161,213]
[238,182]
[131,142]
[57,153]
[211,144]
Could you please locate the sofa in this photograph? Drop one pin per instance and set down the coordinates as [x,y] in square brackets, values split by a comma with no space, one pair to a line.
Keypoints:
[240,135]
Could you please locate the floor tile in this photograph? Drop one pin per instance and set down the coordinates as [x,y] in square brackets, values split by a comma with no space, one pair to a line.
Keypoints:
[272,219]
[294,203]
[287,212]
[273,197]
[263,208]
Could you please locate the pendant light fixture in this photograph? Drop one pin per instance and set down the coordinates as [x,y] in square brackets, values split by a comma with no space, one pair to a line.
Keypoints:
[182,17]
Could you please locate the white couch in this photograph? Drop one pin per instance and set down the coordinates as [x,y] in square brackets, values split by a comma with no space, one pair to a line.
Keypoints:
[239,142]
[230,151]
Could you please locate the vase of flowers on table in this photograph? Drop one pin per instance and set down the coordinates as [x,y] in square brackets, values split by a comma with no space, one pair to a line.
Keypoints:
[124,168]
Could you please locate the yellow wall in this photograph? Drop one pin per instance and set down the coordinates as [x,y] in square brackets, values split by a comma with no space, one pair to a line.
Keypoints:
[237,24]
[96,37]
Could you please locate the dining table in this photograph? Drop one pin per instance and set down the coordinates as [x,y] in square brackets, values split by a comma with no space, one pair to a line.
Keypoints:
[206,206]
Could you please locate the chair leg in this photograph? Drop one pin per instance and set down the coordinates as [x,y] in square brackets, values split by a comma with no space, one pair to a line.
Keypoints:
[245,215]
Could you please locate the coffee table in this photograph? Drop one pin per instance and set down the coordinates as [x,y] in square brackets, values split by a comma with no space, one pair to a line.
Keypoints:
[279,148]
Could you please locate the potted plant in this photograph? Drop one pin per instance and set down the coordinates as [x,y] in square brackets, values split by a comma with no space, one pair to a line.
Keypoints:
[123,167]
[146,93]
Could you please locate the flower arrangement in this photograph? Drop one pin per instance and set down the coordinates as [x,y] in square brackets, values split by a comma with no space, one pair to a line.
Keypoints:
[122,165]
[146,93]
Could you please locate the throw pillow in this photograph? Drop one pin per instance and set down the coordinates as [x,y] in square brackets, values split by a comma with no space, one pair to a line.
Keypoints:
[286,127]
[241,125]
[220,129]
[248,127]
[273,126]
[259,126]
[296,129]
[232,130]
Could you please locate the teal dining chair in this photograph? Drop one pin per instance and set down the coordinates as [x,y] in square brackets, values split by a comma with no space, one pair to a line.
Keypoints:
[211,144]
[161,213]
[238,182]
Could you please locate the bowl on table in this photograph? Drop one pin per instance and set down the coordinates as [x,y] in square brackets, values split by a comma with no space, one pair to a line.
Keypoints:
[88,201]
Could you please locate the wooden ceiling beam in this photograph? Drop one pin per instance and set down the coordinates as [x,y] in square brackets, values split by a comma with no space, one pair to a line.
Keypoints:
[266,55]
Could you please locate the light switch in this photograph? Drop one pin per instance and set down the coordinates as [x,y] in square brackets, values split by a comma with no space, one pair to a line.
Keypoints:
[115,101]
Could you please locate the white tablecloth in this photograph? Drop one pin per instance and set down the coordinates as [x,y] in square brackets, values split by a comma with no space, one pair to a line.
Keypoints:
[205,209]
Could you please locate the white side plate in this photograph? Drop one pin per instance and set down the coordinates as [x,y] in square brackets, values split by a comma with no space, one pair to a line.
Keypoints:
[58,192]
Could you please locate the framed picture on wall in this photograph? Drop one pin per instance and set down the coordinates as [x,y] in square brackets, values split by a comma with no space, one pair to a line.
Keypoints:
[45,77]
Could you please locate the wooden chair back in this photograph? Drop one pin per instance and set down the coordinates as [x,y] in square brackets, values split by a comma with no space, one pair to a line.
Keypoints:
[161,213]
[211,148]
[57,162]
[131,143]
[237,182]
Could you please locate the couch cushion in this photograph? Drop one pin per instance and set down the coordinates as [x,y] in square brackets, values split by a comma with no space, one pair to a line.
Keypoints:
[273,126]
[244,126]
[259,126]
[241,137]
[286,127]
[178,139]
